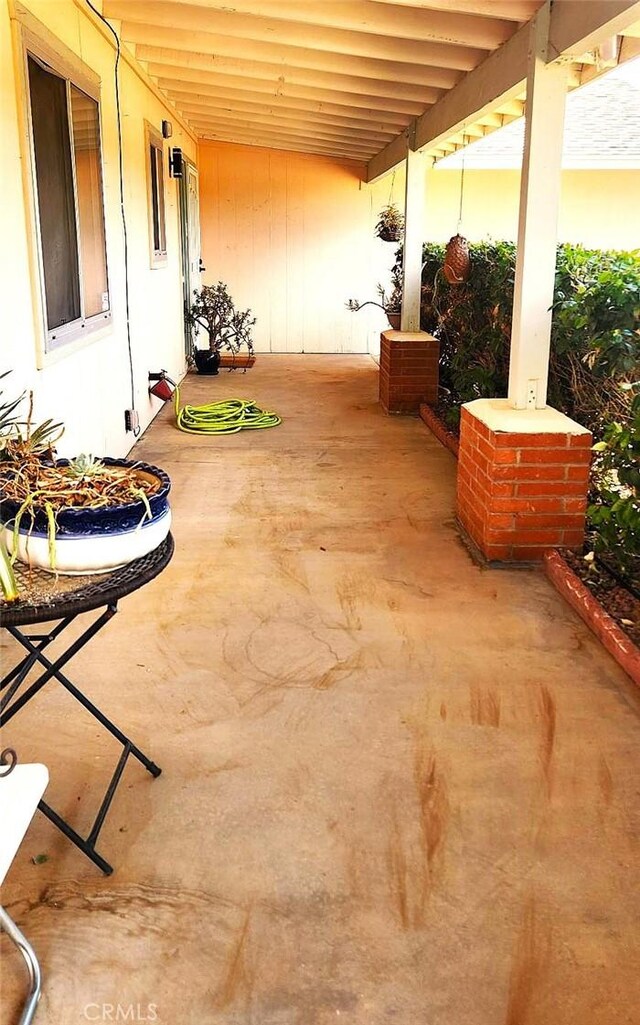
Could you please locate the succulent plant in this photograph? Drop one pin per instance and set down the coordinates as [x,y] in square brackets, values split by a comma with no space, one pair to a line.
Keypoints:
[86,465]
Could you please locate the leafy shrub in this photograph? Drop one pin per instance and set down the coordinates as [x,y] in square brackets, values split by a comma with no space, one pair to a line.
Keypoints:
[595,337]
[595,357]
[615,509]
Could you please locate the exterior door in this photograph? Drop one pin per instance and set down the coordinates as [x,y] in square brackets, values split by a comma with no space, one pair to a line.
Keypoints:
[190,225]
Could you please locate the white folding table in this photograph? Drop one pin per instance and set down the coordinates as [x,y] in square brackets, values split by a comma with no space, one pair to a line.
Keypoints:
[20,791]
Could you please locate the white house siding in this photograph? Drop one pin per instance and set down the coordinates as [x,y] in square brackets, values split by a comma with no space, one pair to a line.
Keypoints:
[87,385]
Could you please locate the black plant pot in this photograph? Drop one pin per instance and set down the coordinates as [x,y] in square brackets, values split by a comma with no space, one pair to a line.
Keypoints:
[207,362]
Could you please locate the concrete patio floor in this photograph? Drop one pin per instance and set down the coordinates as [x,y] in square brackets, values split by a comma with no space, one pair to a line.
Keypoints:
[396,787]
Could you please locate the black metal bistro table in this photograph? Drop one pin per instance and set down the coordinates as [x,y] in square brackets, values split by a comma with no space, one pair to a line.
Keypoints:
[60,608]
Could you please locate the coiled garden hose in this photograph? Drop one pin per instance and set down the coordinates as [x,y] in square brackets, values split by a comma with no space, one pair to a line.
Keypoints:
[227,417]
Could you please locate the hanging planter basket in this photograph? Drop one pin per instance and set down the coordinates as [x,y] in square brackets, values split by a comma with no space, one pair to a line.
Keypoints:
[390,226]
[390,234]
[457,264]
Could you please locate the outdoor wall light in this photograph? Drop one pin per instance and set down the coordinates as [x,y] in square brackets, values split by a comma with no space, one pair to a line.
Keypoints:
[167,129]
[176,164]
[163,387]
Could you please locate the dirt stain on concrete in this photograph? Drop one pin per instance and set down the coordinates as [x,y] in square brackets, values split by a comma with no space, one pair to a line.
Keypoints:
[605,780]
[237,980]
[434,804]
[548,719]
[348,594]
[398,872]
[528,967]
[415,858]
[484,706]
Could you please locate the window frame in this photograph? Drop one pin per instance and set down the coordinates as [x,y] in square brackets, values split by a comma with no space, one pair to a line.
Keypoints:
[58,60]
[158,257]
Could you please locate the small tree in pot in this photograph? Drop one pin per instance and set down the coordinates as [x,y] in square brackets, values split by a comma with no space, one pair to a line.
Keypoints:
[213,309]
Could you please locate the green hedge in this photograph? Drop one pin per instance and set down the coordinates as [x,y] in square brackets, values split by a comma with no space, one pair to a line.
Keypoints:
[594,372]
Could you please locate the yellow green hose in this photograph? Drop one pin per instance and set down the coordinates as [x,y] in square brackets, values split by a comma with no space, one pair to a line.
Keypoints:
[227,417]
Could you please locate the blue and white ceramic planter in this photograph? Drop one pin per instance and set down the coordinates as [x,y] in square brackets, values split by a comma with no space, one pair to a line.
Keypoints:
[95,540]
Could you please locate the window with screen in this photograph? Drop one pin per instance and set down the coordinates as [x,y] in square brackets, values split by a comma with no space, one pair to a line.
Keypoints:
[155,165]
[65,132]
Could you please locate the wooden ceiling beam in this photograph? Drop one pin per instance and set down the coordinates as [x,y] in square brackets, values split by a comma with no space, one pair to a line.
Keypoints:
[510,10]
[576,28]
[354,44]
[492,120]
[512,108]
[400,98]
[266,109]
[347,101]
[206,136]
[285,140]
[459,28]
[312,129]
[254,138]
[497,81]
[308,67]
[419,94]
[231,96]
[476,131]
[284,132]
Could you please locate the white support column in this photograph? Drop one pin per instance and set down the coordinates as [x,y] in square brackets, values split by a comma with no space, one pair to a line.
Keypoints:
[538,223]
[416,168]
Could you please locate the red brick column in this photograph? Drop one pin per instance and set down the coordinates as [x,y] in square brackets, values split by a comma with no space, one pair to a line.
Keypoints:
[408,370]
[522,480]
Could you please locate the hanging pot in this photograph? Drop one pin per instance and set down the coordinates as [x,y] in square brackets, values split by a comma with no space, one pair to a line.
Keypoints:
[390,234]
[457,264]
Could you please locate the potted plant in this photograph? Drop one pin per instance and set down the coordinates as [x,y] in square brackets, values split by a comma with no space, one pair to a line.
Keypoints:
[8,579]
[390,224]
[83,515]
[390,306]
[213,310]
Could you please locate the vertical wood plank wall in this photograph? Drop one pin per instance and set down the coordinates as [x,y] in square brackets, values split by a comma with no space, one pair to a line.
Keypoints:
[292,236]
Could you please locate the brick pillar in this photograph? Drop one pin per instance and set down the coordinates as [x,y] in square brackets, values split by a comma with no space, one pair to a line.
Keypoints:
[523,477]
[408,370]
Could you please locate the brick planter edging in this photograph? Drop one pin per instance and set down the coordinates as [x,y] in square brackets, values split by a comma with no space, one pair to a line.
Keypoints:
[439,428]
[610,635]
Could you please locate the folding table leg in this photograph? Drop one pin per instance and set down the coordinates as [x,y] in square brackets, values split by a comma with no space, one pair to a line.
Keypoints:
[84,845]
[53,670]
[31,961]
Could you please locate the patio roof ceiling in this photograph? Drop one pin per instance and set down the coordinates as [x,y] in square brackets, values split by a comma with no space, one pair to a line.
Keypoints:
[358,79]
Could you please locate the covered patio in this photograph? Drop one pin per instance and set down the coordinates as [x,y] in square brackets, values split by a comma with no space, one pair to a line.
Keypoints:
[396,787]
